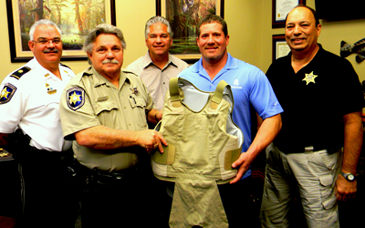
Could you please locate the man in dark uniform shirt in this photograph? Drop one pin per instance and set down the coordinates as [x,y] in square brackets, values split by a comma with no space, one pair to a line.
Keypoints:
[318,148]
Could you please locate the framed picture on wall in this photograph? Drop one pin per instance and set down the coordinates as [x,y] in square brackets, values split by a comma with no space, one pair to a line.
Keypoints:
[184,16]
[281,8]
[75,18]
[279,46]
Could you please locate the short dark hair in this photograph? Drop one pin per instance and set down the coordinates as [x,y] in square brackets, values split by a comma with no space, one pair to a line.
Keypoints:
[211,18]
[311,9]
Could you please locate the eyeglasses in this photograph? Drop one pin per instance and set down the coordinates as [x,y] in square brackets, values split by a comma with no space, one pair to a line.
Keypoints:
[45,41]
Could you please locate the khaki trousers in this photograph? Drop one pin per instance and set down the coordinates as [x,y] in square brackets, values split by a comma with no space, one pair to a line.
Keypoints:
[313,175]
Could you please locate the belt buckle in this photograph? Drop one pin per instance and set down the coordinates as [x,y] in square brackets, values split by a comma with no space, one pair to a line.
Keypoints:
[308,149]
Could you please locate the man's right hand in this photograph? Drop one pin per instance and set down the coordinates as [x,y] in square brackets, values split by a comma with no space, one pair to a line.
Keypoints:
[150,140]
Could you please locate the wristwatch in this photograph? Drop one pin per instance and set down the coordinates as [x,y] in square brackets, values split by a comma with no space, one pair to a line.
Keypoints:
[348,176]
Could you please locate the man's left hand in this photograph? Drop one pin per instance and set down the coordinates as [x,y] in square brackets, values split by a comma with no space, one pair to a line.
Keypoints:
[243,162]
[345,189]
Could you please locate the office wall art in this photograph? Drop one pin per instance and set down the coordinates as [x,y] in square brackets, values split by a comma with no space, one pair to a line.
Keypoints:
[75,18]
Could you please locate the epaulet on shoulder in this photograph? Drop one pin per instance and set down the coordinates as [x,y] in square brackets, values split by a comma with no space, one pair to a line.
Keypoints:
[130,72]
[86,73]
[20,72]
[65,65]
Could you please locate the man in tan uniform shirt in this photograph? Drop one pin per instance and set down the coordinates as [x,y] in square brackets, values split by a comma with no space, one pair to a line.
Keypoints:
[105,110]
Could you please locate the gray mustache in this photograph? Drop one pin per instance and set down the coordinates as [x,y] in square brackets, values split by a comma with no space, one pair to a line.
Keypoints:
[50,50]
[110,61]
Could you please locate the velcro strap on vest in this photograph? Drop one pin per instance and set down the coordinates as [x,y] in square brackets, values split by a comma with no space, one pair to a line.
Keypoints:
[218,94]
[174,92]
[167,157]
[230,157]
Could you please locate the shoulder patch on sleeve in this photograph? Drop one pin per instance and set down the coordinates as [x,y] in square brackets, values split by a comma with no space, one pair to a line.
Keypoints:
[75,98]
[65,66]
[20,72]
[7,93]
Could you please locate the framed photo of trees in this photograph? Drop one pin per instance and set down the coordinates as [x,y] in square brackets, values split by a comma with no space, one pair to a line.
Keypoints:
[75,18]
[184,16]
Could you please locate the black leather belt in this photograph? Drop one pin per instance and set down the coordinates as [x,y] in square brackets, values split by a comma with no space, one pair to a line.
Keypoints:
[307,149]
[32,154]
[115,177]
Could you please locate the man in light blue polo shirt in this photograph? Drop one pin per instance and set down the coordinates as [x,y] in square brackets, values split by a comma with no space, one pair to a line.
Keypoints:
[250,89]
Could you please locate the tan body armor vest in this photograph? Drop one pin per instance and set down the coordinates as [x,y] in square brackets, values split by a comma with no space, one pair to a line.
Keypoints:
[203,142]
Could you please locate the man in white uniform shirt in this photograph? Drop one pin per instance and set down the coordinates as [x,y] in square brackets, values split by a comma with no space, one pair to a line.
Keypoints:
[30,128]
[157,66]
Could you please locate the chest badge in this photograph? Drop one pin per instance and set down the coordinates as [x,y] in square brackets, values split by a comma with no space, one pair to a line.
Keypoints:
[134,90]
[50,90]
[309,78]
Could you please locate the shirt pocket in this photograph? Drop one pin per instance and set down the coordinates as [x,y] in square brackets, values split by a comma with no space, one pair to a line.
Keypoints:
[106,112]
[138,105]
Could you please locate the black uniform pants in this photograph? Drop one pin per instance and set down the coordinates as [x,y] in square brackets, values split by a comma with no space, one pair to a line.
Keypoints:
[49,192]
[116,199]
[241,203]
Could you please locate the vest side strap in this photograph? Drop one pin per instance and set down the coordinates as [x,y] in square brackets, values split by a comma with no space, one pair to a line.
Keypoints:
[230,157]
[170,154]
[167,157]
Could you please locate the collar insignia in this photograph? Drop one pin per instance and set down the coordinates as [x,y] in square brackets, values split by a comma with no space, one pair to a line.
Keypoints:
[134,90]
[75,98]
[7,93]
[50,90]
[309,78]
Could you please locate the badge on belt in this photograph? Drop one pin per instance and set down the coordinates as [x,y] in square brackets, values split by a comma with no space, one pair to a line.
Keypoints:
[75,98]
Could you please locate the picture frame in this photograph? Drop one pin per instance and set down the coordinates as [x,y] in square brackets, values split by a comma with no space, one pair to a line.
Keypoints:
[279,47]
[20,19]
[281,8]
[184,25]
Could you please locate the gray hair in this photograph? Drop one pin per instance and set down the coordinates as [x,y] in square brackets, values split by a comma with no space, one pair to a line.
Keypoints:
[42,22]
[154,20]
[102,29]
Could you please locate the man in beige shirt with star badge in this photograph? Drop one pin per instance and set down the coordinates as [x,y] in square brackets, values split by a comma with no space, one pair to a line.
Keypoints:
[105,111]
